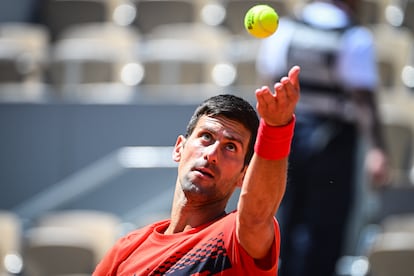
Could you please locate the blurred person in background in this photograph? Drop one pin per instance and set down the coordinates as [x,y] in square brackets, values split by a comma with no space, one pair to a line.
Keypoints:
[219,153]
[338,104]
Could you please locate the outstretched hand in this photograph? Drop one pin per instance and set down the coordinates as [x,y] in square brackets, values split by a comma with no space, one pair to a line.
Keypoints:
[277,108]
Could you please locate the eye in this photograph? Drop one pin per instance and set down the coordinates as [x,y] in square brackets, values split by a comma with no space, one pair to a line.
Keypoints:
[206,136]
[231,147]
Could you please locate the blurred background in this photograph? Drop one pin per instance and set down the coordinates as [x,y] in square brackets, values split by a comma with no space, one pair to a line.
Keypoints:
[93,94]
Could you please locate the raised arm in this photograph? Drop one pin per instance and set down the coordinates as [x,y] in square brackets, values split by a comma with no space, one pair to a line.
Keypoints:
[265,180]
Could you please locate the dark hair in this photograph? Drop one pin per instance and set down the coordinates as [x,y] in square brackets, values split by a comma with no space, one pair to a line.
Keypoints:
[231,107]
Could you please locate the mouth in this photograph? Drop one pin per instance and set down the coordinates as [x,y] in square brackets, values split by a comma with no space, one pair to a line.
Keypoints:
[204,172]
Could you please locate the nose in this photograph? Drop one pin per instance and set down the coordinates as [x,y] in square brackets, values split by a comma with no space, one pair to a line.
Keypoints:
[211,153]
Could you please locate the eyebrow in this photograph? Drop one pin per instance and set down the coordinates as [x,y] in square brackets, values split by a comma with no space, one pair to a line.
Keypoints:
[227,136]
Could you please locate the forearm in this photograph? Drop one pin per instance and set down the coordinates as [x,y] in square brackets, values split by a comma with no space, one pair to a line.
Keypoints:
[263,189]
[377,139]
[265,179]
[376,161]
[369,121]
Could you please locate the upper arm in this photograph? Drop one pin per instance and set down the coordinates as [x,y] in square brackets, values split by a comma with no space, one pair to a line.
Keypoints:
[270,257]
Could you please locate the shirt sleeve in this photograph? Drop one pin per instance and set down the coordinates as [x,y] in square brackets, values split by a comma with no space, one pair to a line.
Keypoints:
[248,265]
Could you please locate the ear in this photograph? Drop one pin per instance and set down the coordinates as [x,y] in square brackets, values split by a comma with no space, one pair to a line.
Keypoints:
[179,144]
[241,177]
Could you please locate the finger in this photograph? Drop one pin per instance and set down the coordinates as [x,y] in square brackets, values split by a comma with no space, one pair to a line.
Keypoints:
[280,90]
[294,76]
[261,90]
[260,96]
[291,92]
[265,95]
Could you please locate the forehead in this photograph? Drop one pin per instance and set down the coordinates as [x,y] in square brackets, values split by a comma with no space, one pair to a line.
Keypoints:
[228,127]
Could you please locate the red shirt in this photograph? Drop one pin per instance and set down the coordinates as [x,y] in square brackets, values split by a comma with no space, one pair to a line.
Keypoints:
[210,249]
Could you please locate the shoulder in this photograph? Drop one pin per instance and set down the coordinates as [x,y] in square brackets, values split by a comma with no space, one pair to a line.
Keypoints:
[143,232]
[131,240]
[231,218]
[228,222]
[123,248]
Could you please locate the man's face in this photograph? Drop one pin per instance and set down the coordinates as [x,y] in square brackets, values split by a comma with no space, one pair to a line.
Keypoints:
[211,159]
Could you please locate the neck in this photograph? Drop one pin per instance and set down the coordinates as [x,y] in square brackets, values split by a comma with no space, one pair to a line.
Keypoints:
[185,215]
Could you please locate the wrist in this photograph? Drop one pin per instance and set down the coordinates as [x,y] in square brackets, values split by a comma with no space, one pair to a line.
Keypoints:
[274,142]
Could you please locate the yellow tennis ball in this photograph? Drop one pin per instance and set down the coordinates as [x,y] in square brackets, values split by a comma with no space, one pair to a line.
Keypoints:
[261,21]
